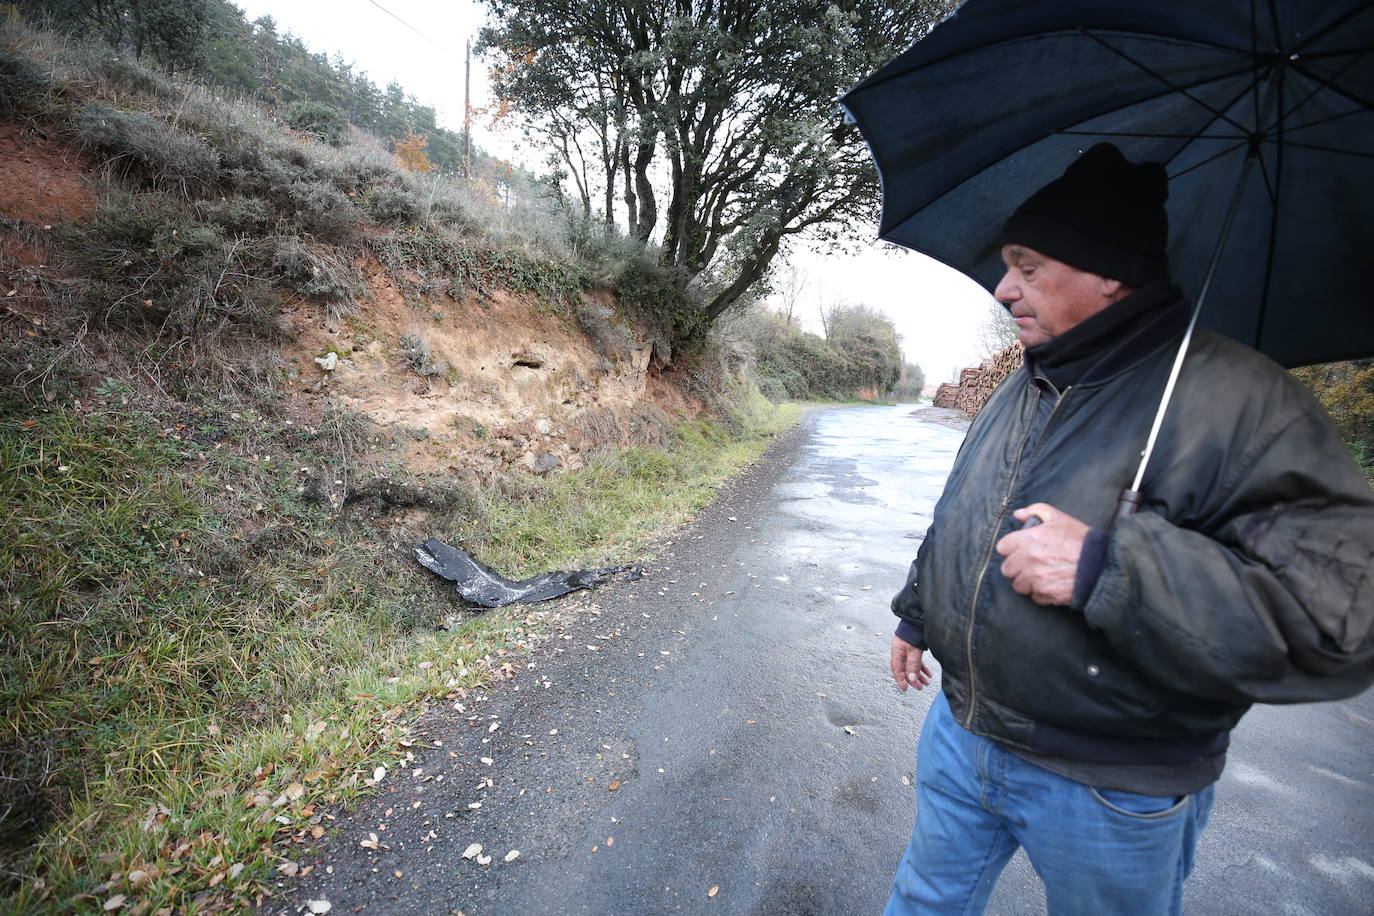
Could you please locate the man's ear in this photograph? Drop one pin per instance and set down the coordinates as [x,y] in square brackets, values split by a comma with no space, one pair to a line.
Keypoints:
[1111,288]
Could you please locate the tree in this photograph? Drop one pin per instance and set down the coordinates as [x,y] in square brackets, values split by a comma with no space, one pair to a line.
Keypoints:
[724,106]
[997,332]
[870,341]
[910,384]
[324,122]
[788,284]
[410,152]
[171,32]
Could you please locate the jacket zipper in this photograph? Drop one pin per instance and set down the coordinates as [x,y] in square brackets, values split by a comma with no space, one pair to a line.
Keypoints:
[992,543]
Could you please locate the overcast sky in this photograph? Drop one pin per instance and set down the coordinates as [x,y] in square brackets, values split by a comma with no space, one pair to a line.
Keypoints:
[419,44]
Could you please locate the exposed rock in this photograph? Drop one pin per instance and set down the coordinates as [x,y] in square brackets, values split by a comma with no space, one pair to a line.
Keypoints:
[545,462]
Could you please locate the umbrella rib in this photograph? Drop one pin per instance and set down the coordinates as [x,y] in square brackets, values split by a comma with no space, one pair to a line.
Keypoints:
[1274,20]
[1331,27]
[1354,59]
[1273,209]
[1327,120]
[1198,135]
[1254,68]
[1173,87]
[1363,103]
[1329,149]
[1151,136]
[1270,189]
[873,80]
[1210,159]
[974,169]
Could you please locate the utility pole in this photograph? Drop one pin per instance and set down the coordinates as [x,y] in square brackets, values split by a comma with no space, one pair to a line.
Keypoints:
[467,114]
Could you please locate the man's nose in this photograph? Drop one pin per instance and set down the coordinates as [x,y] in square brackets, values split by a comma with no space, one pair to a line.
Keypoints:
[1007,290]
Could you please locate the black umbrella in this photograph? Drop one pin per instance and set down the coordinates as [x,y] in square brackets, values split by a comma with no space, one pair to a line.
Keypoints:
[1262,112]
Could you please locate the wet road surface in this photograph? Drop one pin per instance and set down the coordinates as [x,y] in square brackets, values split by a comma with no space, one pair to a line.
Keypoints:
[734,742]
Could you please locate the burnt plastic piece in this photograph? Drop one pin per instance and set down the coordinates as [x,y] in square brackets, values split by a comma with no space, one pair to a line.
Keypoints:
[479,584]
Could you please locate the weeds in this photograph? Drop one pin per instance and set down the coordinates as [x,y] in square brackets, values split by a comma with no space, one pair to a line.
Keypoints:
[198,651]
[430,263]
[417,358]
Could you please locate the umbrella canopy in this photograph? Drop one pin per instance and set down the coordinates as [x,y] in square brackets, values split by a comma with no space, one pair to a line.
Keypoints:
[1000,97]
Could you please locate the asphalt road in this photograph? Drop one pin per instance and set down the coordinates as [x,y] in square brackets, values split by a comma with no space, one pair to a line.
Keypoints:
[734,743]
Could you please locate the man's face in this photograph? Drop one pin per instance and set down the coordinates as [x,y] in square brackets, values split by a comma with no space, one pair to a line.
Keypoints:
[1047,297]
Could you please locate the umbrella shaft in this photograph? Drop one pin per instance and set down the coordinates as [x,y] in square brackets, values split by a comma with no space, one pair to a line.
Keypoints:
[1188,335]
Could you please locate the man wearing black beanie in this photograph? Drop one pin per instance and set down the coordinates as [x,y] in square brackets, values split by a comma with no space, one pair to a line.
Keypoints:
[1092,669]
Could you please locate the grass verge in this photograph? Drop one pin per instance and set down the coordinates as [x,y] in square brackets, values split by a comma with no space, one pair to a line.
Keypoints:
[201,658]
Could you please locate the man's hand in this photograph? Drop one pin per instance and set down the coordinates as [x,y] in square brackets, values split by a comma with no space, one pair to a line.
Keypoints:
[1041,562]
[907,668]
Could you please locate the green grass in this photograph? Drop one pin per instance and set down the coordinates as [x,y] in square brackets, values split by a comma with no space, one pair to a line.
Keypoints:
[197,660]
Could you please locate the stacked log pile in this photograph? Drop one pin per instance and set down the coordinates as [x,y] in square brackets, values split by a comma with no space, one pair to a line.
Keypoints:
[977,384]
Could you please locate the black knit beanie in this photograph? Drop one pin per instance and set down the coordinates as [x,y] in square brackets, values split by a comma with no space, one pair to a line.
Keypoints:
[1103,215]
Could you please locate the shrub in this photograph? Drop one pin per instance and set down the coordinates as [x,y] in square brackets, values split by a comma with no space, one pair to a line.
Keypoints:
[133,75]
[239,214]
[450,214]
[1346,390]
[417,357]
[24,91]
[162,156]
[651,291]
[320,209]
[394,205]
[324,122]
[148,257]
[317,272]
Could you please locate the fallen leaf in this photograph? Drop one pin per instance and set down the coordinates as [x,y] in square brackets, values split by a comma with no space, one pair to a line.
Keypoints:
[289,868]
[610,841]
[370,842]
[317,831]
[715,889]
[484,860]
[512,855]
[319,907]
[114,903]
[378,775]
[295,791]
[472,850]
[613,786]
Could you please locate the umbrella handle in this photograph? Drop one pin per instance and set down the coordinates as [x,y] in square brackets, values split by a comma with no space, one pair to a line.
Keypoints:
[1128,503]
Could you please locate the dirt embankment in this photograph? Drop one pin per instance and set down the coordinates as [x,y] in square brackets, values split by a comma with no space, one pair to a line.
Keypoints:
[480,386]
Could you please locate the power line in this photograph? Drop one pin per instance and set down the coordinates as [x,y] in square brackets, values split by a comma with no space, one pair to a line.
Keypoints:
[409,26]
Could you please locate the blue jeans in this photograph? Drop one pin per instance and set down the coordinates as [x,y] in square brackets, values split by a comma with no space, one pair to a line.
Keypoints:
[1098,851]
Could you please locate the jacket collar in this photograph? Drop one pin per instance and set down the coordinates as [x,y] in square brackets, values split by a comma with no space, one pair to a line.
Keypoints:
[1114,339]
